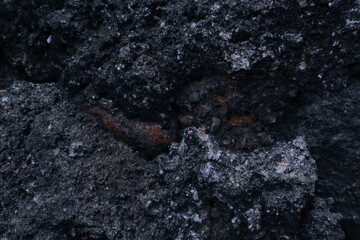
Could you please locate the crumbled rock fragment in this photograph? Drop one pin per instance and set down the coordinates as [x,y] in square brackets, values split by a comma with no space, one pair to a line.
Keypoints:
[238,180]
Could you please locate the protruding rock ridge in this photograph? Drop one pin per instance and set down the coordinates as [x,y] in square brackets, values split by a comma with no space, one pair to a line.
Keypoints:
[254,189]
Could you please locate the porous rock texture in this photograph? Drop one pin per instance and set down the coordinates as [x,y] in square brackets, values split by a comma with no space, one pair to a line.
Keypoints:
[180,119]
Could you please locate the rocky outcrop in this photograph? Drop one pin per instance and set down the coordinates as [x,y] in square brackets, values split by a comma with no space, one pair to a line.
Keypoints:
[253,105]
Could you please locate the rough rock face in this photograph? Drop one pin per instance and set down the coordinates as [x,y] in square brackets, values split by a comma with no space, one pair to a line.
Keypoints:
[212,193]
[180,119]
[64,177]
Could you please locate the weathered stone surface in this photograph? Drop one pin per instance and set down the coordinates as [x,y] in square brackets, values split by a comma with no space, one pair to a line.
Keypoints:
[131,95]
[217,194]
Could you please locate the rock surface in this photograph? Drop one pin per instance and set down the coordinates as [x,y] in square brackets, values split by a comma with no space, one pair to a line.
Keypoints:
[180,119]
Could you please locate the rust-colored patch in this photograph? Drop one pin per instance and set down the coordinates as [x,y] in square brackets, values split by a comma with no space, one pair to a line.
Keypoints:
[186,120]
[236,120]
[109,122]
[221,100]
[156,134]
[230,89]
[94,111]
[150,138]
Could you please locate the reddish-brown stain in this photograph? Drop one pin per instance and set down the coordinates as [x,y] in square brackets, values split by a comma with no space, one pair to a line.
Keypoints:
[155,134]
[93,111]
[109,122]
[236,120]
[150,137]
[186,119]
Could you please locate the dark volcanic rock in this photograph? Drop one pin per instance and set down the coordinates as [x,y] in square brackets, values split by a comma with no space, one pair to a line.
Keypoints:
[63,177]
[215,194]
[334,140]
[107,109]
[139,52]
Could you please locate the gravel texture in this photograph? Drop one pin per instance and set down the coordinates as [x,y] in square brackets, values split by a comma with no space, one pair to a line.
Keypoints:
[180,119]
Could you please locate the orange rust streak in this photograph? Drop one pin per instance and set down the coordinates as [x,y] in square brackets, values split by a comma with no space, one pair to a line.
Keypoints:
[239,120]
[221,101]
[109,123]
[158,135]
[94,111]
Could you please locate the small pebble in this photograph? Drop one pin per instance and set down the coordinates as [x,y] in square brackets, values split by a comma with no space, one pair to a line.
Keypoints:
[49,39]
[194,97]
[216,123]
